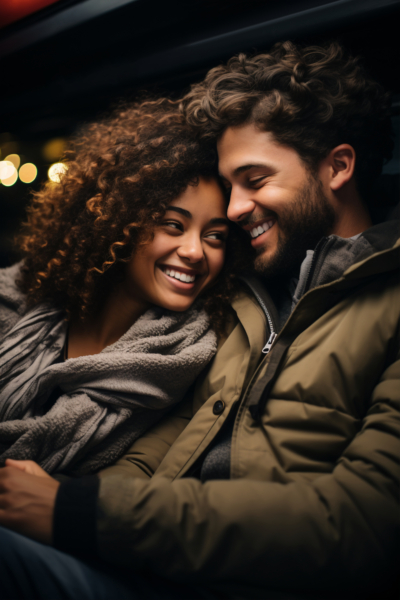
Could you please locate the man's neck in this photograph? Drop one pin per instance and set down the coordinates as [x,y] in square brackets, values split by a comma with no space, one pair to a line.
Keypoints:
[352,217]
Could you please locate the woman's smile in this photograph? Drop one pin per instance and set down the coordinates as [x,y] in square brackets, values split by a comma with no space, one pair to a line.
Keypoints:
[179,276]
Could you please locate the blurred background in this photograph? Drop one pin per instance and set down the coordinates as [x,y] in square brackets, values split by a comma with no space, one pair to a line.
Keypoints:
[64,62]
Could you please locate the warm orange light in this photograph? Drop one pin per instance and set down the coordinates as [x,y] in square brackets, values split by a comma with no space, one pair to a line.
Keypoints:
[53,149]
[6,169]
[28,172]
[56,171]
[14,159]
[9,174]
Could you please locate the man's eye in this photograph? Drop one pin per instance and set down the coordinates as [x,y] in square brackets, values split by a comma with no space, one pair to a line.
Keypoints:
[256,180]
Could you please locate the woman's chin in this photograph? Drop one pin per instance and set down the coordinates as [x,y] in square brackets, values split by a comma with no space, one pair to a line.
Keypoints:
[177,305]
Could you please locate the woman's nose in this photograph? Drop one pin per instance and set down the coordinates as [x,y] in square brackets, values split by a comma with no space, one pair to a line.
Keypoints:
[241,204]
[191,249]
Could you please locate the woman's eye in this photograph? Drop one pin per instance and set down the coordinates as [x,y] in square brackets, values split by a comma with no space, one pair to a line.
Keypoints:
[216,235]
[173,225]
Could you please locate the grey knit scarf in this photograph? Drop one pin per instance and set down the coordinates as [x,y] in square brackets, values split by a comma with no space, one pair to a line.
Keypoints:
[106,400]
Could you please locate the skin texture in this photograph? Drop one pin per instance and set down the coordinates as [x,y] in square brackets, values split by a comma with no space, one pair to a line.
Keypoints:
[269,182]
[192,241]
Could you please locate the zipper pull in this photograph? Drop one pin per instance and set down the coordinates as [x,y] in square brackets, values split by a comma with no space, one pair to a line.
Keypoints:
[268,345]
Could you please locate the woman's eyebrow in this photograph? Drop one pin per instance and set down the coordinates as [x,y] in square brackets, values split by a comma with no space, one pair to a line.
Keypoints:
[182,211]
[186,213]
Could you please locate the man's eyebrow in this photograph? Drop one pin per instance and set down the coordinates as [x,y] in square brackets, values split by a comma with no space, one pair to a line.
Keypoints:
[244,168]
[182,211]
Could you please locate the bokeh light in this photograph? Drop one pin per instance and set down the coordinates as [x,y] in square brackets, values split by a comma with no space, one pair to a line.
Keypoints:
[8,173]
[6,169]
[14,159]
[56,171]
[53,149]
[28,172]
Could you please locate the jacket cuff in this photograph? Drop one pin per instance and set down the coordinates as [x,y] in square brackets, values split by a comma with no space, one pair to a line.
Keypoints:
[74,525]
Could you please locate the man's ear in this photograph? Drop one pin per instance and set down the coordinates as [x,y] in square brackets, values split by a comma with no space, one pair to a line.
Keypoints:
[339,166]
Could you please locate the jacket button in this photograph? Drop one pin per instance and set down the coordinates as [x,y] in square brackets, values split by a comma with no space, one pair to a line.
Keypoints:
[218,407]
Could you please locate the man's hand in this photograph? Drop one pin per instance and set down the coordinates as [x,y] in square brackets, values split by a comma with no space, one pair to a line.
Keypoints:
[27,503]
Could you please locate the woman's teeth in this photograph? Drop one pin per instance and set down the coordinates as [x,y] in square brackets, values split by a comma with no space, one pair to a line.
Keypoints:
[260,229]
[181,276]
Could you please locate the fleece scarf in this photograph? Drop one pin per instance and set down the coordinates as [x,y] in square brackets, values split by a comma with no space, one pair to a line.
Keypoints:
[106,400]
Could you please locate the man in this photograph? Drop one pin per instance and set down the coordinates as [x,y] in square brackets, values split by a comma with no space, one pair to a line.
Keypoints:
[285,481]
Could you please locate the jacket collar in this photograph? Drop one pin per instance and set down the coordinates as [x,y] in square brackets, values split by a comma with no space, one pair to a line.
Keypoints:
[336,257]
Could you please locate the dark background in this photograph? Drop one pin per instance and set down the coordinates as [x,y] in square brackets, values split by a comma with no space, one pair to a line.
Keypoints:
[70,61]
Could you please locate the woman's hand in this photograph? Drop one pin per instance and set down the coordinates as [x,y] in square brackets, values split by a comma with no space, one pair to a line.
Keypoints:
[27,466]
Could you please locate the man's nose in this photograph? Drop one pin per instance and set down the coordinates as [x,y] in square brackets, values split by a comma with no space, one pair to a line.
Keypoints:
[191,248]
[240,205]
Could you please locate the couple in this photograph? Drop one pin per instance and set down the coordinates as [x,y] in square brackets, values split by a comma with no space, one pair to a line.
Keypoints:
[276,476]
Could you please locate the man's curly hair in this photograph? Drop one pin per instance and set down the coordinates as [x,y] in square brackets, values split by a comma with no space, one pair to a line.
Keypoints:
[122,172]
[310,98]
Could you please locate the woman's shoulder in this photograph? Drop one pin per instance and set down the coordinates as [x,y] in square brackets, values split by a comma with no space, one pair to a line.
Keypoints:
[12,299]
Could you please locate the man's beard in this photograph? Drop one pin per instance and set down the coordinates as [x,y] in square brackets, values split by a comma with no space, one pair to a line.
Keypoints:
[301,225]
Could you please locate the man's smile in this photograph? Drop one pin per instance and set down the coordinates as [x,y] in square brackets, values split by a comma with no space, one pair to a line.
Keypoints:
[258,229]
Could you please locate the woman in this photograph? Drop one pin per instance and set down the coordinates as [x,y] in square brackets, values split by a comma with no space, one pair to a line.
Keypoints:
[100,334]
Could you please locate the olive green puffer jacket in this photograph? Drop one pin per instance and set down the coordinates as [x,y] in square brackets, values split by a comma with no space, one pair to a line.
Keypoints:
[313,499]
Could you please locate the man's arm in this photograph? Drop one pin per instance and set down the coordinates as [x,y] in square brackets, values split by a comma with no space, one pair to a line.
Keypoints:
[146,454]
[341,529]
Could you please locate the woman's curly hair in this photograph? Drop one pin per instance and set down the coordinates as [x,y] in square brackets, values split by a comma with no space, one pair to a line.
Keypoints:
[309,98]
[121,174]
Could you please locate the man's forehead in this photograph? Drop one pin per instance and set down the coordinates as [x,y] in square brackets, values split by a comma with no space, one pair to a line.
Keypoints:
[247,134]
[240,148]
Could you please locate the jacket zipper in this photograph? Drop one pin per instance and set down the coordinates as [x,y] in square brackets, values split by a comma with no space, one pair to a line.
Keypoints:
[270,342]
[273,335]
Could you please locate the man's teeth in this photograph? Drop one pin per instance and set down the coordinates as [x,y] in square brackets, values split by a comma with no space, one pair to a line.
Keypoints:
[181,276]
[260,229]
